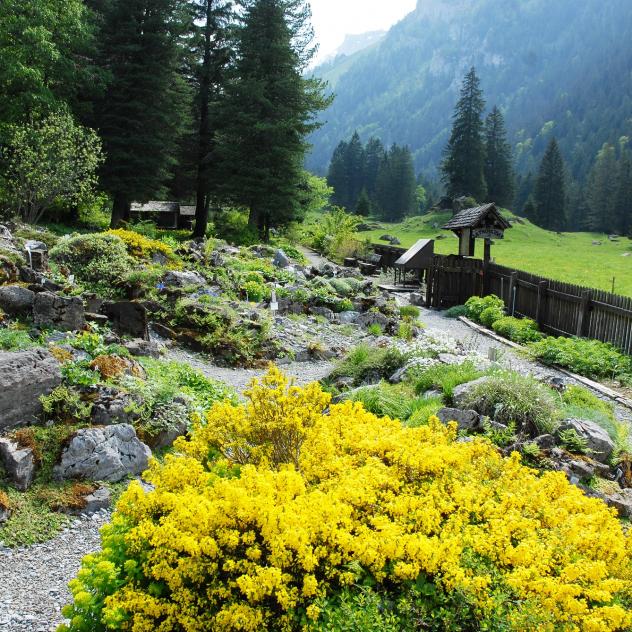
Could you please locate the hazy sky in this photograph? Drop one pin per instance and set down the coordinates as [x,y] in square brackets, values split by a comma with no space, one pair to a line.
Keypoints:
[333,19]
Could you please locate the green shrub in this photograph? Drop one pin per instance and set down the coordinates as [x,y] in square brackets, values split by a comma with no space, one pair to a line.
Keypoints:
[15,340]
[99,262]
[375,329]
[490,315]
[520,330]
[590,358]
[342,287]
[445,377]
[384,400]
[410,311]
[368,363]
[406,330]
[573,442]
[510,397]
[456,312]
[477,305]
[65,406]
[255,291]
[232,225]
[422,409]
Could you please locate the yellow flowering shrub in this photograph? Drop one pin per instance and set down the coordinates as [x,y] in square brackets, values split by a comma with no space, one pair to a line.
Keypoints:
[142,247]
[274,507]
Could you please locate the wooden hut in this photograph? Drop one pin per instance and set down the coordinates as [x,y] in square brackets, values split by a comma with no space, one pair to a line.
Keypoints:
[186,217]
[417,259]
[164,214]
[481,222]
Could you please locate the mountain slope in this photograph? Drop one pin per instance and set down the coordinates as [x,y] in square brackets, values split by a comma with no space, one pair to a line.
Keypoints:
[562,68]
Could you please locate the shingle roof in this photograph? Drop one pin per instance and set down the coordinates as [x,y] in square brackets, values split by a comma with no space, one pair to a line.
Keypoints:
[471,217]
[156,207]
[187,211]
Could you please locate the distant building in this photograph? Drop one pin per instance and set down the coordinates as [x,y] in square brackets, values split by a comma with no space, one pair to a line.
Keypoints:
[164,214]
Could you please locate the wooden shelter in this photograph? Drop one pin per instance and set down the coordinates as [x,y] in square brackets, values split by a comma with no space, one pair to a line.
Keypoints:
[481,222]
[165,214]
[186,217]
[416,259]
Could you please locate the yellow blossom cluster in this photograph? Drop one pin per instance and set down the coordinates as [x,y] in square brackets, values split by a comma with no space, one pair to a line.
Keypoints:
[142,247]
[273,506]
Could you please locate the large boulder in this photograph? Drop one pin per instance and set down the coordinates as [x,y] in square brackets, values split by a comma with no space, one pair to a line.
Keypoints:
[281,260]
[113,406]
[468,420]
[24,377]
[598,441]
[128,317]
[58,312]
[183,278]
[103,454]
[16,300]
[463,391]
[18,463]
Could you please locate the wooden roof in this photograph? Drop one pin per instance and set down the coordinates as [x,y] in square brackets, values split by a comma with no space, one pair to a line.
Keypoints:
[476,217]
[156,207]
[187,211]
[420,253]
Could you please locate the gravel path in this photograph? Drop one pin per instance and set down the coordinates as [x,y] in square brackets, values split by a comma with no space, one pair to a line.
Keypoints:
[34,580]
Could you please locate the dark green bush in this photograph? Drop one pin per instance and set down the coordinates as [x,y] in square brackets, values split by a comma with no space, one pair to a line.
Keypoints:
[491,314]
[521,330]
[456,312]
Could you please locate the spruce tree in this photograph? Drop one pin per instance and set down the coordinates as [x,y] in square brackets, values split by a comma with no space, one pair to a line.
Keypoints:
[550,190]
[270,110]
[623,197]
[602,191]
[355,164]
[498,160]
[337,176]
[396,185]
[139,115]
[373,157]
[464,156]
[363,206]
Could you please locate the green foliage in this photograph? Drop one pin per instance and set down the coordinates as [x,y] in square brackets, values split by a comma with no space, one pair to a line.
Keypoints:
[255,291]
[100,262]
[498,167]
[508,397]
[368,363]
[520,330]
[550,190]
[477,305]
[333,231]
[232,226]
[375,329]
[573,442]
[410,311]
[590,358]
[445,377]
[384,400]
[490,315]
[65,406]
[50,160]
[423,409]
[12,339]
[456,312]
[406,330]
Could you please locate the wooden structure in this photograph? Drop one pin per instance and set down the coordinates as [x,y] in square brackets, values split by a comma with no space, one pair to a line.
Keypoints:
[164,214]
[186,217]
[481,222]
[417,260]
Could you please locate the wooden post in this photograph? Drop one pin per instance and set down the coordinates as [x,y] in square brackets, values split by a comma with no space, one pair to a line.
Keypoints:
[541,311]
[582,318]
[513,287]
[488,251]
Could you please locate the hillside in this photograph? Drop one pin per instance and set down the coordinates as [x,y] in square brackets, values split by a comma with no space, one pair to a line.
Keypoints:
[569,257]
[545,64]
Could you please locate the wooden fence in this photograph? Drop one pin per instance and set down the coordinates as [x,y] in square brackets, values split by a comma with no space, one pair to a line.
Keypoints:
[558,308]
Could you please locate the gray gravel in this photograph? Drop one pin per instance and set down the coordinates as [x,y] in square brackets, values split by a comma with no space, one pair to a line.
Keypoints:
[34,579]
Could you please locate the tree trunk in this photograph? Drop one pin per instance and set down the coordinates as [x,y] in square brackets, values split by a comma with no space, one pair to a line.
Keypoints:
[201,207]
[120,210]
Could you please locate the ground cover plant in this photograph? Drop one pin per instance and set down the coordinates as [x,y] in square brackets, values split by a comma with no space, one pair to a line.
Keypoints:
[277,516]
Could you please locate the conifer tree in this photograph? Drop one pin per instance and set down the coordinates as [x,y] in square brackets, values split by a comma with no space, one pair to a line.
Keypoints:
[623,197]
[364,204]
[337,175]
[355,163]
[396,185]
[464,156]
[270,110]
[139,115]
[374,155]
[550,190]
[498,160]
[602,191]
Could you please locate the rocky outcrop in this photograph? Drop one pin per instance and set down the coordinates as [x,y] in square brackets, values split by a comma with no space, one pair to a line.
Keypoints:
[16,300]
[184,278]
[112,406]
[100,498]
[24,377]
[128,317]
[462,392]
[281,260]
[598,442]
[468,420]
[18,463]
[103,454]
[58,312]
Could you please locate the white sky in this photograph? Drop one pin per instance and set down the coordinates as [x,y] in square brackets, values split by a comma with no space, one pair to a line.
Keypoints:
[333,19]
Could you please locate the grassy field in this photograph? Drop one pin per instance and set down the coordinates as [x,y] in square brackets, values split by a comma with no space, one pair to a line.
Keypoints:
[569,257]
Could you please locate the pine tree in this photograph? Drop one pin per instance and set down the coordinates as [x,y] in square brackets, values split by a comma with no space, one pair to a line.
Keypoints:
[530,209]
[498,160]
[270,110]
[550,190]
[337,176]
[464,156]
[355,163]
[623,197]
[602,191]
[396,185]
[374,155]
[139,116]
[524,190]
[364,204]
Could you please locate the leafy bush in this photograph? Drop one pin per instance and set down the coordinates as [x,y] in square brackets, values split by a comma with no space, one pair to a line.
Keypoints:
[477,305]
[456,312]
[410,311]
[15,340]
[520,330]
[375,329]
[99,262]
[510,397]
[490,315]
[590,358]
[232,225]
[141,247]
[255,291]
[573,442]
[384,400]
[446,377]
[365,363]
[275,513]
[65,406]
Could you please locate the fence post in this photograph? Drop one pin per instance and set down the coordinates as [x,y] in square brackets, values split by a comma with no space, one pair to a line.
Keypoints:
[541,311]
[582,318]
[513,290]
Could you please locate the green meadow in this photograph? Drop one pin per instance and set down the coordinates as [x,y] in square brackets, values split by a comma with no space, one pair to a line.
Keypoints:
[569,257]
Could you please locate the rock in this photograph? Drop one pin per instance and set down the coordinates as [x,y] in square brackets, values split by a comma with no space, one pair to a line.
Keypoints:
[596,243]
[387,237]
[163,331]
[103,454]
[463,391]
[348,318]
[598,440]
[344,383]
[325,312]
[581,469]
[215,259]
[417,298]
[112,406]
[5,513]
[36,254]
[468,420]
[24,377]
[100,498]
[128,317]
[432,394]
[558,384]
[450,358]
[16,300]
[97,319]
[545,442]
[622,502]
[185,278]
[58,312]
[18,463]
[143,348]
[395,241]
[373,318]
[281,260]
